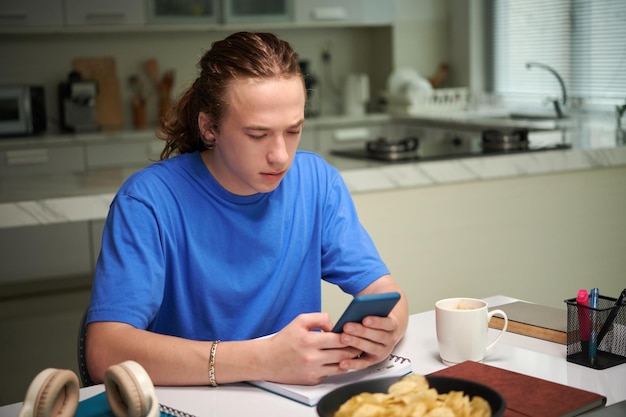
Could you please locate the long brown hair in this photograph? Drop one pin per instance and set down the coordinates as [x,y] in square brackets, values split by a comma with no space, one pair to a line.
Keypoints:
[240,55]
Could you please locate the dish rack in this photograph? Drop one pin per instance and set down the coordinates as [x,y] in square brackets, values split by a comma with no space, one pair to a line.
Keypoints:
[439,100]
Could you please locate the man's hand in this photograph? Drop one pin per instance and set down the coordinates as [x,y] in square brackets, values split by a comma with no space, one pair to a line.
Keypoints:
[306,351]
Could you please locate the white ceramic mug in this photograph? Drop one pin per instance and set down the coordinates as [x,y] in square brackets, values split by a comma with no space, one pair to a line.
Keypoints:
[462,325]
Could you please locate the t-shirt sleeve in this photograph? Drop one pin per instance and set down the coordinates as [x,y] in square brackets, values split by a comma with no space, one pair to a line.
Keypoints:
[129,281]
[349,257]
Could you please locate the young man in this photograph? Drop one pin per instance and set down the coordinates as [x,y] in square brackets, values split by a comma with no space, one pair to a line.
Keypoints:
[229,236]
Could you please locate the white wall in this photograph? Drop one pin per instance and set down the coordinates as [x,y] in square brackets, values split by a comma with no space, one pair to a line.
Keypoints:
[421,35]
[47,59]
[537,238]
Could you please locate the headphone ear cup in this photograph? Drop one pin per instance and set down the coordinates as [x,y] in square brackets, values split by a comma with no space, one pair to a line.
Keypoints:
[123,393]
[130,392]
[53,392]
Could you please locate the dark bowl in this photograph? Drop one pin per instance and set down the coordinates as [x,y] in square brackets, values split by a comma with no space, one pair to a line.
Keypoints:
[331,402]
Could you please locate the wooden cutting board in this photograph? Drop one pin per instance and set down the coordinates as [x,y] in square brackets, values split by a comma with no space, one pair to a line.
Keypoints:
[108,101]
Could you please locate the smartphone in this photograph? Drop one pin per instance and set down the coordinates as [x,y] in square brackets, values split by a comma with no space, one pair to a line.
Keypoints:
[367,305]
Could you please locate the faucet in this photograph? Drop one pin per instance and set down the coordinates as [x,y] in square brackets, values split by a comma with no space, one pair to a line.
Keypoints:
[620,132]
[557,104]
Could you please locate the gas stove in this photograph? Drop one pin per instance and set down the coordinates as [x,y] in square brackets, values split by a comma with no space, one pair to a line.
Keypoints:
[408,150]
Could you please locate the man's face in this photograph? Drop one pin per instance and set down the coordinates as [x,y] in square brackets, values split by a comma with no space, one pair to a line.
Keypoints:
[259,134]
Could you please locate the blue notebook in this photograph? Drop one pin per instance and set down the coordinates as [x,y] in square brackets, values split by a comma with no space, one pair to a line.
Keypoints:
[98,406]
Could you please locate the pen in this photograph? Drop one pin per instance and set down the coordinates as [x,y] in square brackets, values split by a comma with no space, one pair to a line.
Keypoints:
[593,303]
[609,320]
[584,325]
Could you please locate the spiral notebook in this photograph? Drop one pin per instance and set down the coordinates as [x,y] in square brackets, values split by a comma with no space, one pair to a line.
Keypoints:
[310,395]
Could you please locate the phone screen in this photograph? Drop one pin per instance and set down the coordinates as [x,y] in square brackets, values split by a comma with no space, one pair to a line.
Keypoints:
[367,305]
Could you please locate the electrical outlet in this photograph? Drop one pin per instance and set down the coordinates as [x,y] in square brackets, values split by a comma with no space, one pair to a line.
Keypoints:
[326,55]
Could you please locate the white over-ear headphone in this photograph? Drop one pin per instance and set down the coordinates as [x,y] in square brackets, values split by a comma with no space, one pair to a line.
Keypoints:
[53,392]
[129,391]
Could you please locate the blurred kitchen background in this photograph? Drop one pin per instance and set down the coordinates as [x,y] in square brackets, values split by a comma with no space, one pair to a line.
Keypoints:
[389,81]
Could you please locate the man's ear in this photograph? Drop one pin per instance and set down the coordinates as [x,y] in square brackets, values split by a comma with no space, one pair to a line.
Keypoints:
[205,124]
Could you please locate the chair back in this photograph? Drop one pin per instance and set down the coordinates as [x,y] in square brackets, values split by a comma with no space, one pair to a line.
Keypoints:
[83,373]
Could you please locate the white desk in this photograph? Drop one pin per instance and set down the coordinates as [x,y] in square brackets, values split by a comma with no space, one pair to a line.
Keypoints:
[514,352]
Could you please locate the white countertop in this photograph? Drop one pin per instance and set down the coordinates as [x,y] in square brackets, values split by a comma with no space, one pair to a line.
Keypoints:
[518,353]
[86,196]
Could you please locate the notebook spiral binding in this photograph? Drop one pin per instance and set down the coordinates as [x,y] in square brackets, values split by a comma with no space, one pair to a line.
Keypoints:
[167,410]
[396,358]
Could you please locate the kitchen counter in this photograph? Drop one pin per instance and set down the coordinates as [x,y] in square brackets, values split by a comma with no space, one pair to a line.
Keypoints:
[50,198]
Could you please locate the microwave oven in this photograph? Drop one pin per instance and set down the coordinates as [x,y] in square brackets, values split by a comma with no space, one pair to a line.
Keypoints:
[22,110]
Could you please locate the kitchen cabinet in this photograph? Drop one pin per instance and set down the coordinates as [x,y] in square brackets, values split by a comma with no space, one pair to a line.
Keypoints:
[96,16]
[182,12]
[116,154]
[31,13]
[354,11]
[254,11]
[41,160]
[50,251]
[97,12]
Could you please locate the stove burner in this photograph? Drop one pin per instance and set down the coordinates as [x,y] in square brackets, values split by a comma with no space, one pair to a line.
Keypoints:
[392,151]
[496,140]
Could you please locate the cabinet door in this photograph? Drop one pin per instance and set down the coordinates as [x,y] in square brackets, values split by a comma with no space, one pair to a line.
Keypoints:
[355,11]
[31,13]
[44,252]
[255,11]
[183,11]
[105,155]
[33,161]
[110,12]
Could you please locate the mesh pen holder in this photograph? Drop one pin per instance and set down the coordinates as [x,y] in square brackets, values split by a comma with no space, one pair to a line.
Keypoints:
[586,329]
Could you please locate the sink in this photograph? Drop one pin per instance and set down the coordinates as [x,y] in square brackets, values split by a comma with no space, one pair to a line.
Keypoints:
[517,120]
[531,116]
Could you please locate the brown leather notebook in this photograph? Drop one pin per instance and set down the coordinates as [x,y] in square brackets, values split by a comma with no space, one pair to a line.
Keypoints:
[526,395]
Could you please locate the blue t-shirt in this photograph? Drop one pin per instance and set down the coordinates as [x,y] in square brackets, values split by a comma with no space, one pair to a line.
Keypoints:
[182,256]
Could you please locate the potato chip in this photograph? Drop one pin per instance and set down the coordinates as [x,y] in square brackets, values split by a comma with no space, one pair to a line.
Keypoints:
[440,412]
[412,397]
[480,407]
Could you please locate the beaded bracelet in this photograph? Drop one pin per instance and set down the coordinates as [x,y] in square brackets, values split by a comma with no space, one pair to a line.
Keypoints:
[212,364]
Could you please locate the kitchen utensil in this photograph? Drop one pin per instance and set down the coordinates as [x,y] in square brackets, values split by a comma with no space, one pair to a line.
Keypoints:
[440,76]
[162,83]
[356,94]
[151,66]
[109,101]
[331,402]
[138,103]
[77,104]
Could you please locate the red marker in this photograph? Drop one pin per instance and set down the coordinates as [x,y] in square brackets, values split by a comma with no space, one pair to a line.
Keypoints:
[584,323]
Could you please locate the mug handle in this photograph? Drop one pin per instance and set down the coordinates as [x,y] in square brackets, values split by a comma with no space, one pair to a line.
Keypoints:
[506,324]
